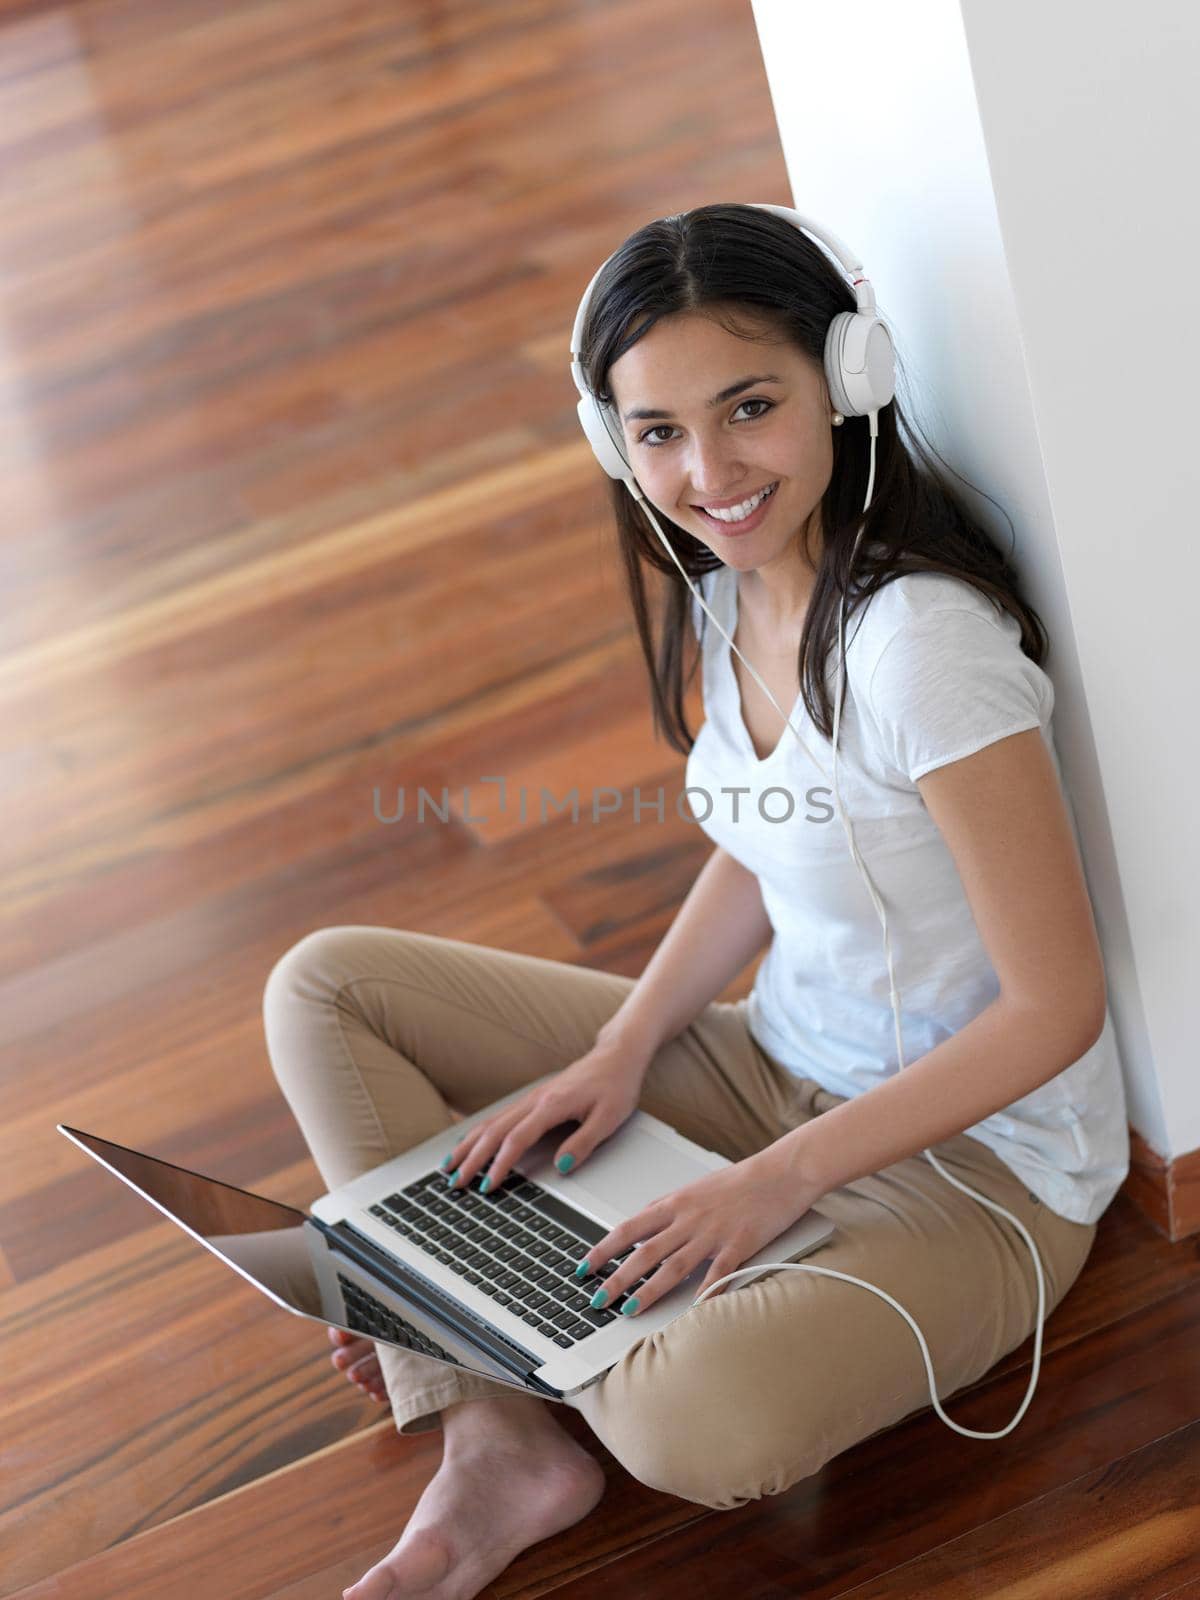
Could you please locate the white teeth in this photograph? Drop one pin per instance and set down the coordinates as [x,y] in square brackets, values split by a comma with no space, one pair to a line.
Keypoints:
[740,513]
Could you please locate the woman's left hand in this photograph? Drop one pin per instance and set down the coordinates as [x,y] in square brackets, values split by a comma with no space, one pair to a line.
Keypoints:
[725,1217]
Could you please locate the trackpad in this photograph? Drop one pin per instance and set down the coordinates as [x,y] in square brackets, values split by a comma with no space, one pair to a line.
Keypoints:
[629,1170]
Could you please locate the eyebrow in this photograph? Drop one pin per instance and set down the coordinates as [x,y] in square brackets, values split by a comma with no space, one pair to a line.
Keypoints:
[642,413]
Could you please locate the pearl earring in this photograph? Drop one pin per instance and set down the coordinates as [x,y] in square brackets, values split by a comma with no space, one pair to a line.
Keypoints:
[837,419]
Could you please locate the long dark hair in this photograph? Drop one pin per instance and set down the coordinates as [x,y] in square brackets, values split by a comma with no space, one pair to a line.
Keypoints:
[719,258]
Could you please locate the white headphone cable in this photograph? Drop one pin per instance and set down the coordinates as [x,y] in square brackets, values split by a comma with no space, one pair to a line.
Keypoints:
[799,1266]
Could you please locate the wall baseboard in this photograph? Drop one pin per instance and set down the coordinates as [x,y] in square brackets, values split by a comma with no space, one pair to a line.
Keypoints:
[1166,1192]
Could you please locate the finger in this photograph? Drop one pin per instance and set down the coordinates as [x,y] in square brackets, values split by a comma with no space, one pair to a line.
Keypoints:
[518,1139]
[723,1264]
[601,1123]
[471,1138]
[626,1281]
[633,1231]
[477,1148]
[671,1272]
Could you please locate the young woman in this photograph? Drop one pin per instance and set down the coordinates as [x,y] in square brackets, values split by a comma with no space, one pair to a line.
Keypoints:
[706,331]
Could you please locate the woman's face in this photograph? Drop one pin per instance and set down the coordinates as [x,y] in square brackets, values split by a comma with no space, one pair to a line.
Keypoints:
[696,453]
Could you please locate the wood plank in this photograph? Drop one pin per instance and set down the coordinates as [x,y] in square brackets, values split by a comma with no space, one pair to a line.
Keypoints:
[62,1218]
[1134,1526]
[590,778]
[146,1378]
[340,1510]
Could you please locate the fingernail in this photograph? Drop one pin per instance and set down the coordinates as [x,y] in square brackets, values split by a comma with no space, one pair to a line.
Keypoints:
[628,1309]
[565,1163]
[599,1299]
[582,1270]
[445,1162]
[452,1177]
[485,1185]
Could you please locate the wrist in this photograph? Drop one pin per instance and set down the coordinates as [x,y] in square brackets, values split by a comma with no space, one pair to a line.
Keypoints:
[625,1038]
[794,1162]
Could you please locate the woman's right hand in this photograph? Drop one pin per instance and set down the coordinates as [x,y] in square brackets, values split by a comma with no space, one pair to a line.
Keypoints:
[600,1091]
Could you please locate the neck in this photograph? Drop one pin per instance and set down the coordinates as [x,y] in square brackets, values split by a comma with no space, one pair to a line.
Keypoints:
[779,593]
[777,601]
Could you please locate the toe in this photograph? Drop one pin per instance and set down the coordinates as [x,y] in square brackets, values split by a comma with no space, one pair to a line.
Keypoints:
[349,1354]
[367,1372]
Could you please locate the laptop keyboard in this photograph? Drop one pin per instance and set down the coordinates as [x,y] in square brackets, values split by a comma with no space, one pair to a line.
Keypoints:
[518,1244]
[365,1314]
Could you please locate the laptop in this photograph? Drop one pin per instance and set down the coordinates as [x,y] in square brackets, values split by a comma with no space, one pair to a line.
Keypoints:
[480,1281]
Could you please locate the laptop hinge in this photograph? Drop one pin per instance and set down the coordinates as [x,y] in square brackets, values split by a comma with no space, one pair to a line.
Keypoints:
[363,1250]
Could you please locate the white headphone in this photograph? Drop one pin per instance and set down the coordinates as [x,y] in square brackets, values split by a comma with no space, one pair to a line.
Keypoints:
[860,372]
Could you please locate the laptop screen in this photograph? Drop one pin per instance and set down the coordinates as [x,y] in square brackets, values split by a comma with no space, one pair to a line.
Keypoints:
[262,1239]
[265,1241]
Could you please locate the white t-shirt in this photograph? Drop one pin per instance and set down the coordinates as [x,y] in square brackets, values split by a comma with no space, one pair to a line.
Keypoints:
[934,673]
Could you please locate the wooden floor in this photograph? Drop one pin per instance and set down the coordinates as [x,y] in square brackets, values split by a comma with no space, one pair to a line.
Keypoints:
[296,507]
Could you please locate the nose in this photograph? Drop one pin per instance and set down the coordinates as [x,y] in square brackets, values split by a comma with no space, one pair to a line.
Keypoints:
[714,472]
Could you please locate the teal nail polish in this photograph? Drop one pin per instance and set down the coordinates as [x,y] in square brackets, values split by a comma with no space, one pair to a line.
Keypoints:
[599,1299]
[582,1270]
[565,1163]
[485,1185]
[451,1177]
[444,1162]
[630,1306]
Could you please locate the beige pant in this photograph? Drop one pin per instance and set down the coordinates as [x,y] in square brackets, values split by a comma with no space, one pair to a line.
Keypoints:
[375,1033]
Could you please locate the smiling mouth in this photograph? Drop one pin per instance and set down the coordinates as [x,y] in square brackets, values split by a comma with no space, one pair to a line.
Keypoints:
[740,522]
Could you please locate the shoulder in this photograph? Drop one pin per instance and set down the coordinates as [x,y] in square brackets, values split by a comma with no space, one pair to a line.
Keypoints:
[918,597]
[930,609]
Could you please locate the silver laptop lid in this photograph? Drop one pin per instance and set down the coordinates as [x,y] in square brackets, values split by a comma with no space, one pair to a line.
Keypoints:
[286,1254]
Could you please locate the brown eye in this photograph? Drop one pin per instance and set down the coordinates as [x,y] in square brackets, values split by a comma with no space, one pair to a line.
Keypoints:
[656,444]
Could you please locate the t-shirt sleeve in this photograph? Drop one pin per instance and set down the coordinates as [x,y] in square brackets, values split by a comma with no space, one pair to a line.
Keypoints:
[946,685]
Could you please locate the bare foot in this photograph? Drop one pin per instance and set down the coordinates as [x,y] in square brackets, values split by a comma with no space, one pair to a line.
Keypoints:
[509,1479]
[355,1356]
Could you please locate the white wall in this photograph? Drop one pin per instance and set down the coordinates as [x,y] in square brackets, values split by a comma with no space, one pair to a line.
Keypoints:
[1014,178]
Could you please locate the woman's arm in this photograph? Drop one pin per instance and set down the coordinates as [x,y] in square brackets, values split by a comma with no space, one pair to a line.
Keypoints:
[1004,820]
[719,928]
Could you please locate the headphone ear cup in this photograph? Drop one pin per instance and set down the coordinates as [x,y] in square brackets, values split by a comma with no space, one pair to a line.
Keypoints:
[604,447]
[860,363]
